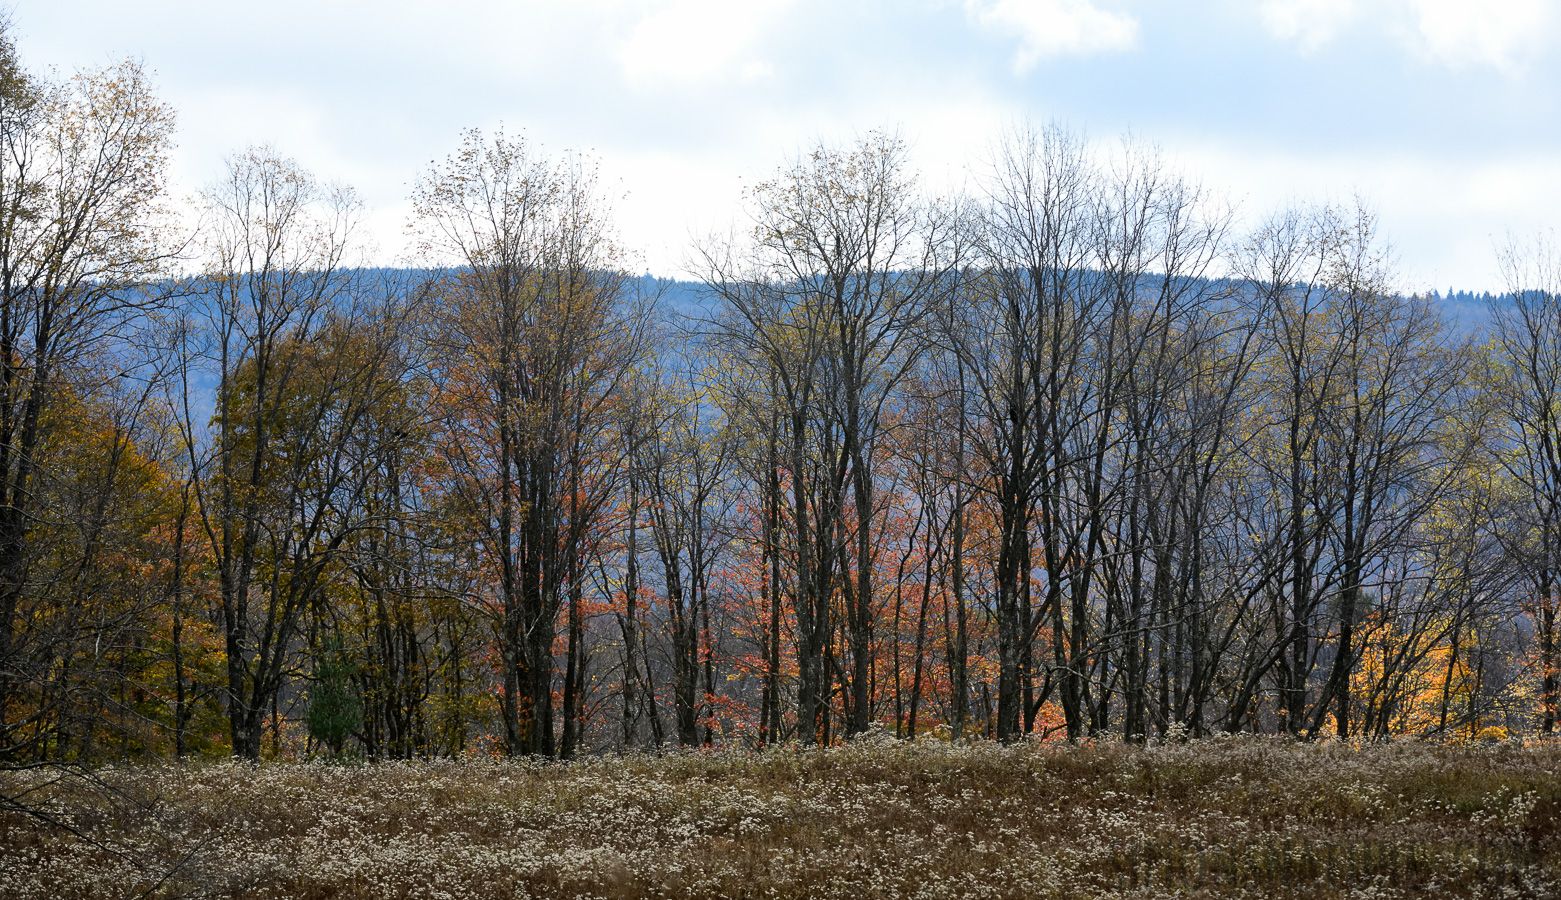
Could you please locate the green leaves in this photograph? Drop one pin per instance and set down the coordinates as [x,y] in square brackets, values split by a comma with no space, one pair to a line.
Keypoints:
[335,711]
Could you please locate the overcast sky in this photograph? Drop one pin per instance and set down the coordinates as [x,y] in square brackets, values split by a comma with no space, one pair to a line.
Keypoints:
[1443,114]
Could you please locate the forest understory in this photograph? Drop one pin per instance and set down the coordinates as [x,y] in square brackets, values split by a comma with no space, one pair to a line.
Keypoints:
[1229,817]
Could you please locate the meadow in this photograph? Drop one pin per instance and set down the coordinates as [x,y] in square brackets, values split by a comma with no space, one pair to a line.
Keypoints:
[877,818]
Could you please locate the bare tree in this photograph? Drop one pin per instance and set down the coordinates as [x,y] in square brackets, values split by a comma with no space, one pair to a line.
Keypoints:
[1527,328]
[543,328]
[82,167]
[299,361]
[846,267]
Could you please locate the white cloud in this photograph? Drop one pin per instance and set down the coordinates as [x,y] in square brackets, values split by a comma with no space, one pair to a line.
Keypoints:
[1497,33]
[696,40]
[1441,238]
[1049,28]
[1308,23]
[1501,34]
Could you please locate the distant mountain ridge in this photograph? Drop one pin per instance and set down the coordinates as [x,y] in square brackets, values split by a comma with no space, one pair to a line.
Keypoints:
[1467,310]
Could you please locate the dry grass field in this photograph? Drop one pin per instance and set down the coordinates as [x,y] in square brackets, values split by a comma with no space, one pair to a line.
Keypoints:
[1236,817]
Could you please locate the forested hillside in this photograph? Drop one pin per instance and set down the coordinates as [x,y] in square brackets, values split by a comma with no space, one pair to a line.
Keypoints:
[1076,453]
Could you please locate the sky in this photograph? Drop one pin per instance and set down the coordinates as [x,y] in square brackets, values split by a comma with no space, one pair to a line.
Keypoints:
[1442,115]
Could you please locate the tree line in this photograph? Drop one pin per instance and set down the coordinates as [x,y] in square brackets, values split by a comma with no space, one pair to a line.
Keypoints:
[1069,454]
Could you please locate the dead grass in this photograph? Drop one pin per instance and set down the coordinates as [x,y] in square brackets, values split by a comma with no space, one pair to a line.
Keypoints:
[1235,817]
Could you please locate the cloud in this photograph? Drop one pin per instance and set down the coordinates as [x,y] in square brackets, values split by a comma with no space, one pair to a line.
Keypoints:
[1307,23]
[1441,237]
[1051,28]
[697,40]
[1497,33]
[1501,34]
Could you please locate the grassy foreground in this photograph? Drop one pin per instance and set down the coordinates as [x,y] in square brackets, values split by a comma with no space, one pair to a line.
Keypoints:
[1233,817]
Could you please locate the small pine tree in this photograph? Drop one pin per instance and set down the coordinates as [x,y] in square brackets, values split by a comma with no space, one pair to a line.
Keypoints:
[335,711]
